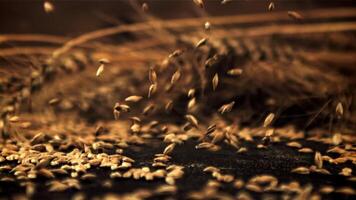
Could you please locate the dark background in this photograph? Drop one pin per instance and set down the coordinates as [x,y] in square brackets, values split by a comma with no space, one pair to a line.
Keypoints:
[74,17]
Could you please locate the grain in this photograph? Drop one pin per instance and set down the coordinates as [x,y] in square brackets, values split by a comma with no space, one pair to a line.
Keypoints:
[301,170]
[271,6]
[100,70]
[191,93]
[201,42]
[175,77]
[210,129]
[145,7]
[152,89]
[170,180]
[164,189]
[238,184]
[48,7]
[204,145]
[235,72]
[337,139]
[268,120]
[306,150]
[88,176]
[318,160]
[45,173]
[295,15]
[53,101]
[211,169]
[191,103]
[225,1]
[152,76]
[339,109]
[207,26]
[148,109]
[226,107]
[294,144]
[168,150]
[199,3]
[133,98]
[215,81]
[175,53]
[14,119]
[192,120]
[169,106]
[346,191]
[253,187]
[326,189]
[346,171]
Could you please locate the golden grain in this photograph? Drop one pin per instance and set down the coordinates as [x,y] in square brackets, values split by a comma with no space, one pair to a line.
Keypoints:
[204,145]
[48,7]
[211,169]
[339,109]
[271,6]
[295,15]
[337,139]
[238,184]
[192,120]
[294,144]
[346,191]
[215,81]
[305,150]
[235,72]
[170,180]
[207,26]
[191,103]
[168,150]
[152,76]
[268,120]
[318,160]
[175,77]
[301,170]
[225,1]
[133,98]
[152,90]
[226,107]
[199,3]
[201,42]
[100,70]
[346,171]
[326,189]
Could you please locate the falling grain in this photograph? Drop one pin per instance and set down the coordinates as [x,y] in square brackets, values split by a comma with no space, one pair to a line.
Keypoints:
[192,120]
[152,75]
[318,160]
[271,6]
[100,70]
[175,77]
[339,109]
[226,107]
[268,120]
[145,7]
[207,26]
[133,98]
[301,170]
[168,150]
[295,15]
[48,7]
[215,81]
[225,1]
[201,42]
[235,72]
[152,90]
[199,3]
